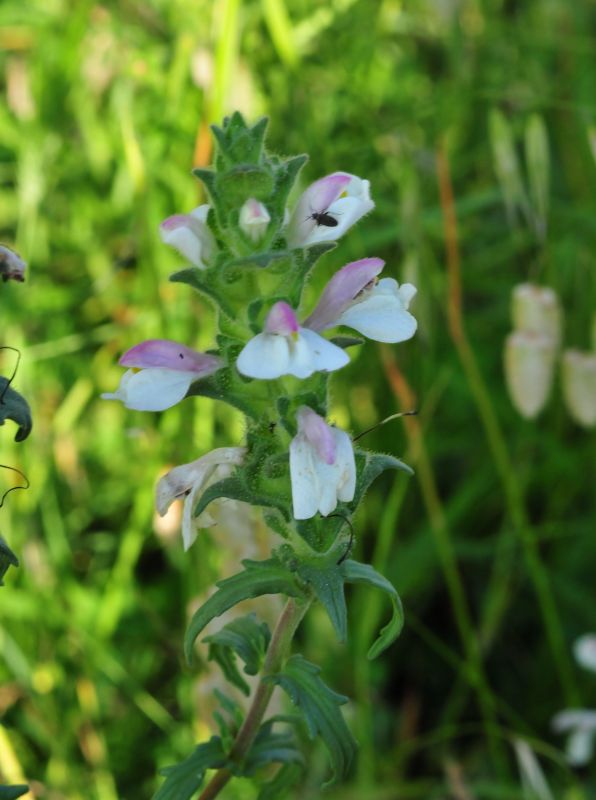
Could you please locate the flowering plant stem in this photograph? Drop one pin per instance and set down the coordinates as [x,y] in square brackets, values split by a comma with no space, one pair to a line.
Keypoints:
[273,362]
[277,653]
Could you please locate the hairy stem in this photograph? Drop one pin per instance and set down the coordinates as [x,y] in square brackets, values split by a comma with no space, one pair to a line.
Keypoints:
[277,653]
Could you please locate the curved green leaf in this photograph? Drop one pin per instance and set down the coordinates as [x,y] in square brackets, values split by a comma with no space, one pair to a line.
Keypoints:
[328,585]
[7,559]
[246,638]
[354,572]
[369,466]
[258,578]
[14,406]
[12,792]
[184,780]
[320,707]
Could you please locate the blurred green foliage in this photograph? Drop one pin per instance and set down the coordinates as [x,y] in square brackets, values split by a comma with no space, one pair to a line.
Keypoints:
[104,112]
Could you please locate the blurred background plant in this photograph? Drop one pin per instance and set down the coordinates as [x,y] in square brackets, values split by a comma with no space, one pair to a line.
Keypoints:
[474,120]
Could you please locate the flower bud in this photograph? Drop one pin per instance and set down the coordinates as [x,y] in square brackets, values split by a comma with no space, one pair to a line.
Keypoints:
[254,219]
[535,309]
[529,366]
[579,386]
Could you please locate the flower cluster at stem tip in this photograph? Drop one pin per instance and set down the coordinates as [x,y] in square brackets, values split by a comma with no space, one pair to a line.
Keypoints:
[250,255]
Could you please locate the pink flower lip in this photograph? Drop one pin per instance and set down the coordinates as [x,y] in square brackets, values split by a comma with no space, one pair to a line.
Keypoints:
[341,290]
[167,354]
[282,320]
[326,190]
[317,433]
[176,221]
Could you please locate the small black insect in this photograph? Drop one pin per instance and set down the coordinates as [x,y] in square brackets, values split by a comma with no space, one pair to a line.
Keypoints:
[323,218]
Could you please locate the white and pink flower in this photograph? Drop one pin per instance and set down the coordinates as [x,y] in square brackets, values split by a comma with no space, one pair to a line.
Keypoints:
[341,197]
[376,309]
[189,482]
[286,348]
[322,466]
[160,374]
[190,236]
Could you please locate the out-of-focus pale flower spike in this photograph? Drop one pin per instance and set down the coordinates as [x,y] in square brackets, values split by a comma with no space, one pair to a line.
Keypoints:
[536,309]
[533,780]
[581,725]
[254,219]
[579,386]
[529,369]
[584,650]
[190,236]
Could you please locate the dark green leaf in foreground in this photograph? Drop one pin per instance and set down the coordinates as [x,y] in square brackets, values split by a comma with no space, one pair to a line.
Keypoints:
[244,637]
[285,778]
[7,559]
[320,707]
[354,572]
[258,578]
[12,792]
[14,406]
[184,780]
[272,746]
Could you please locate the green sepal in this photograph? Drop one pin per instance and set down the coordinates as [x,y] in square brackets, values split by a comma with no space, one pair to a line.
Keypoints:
[304,261]
[354,572]
[235,489]
[369,466]
[243,181]
[320,707]
[285,177]
[14,406]
[328,585]
[237,142]
[246,638]
[203,281]
[226,385]
[261,260]
[271,747]
[258,578]
[7,559]
[184,780]
[14,791]
[207,177]
[284,779]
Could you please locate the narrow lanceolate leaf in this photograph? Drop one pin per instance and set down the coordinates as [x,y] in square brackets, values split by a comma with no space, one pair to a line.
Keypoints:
[12,792]
[328,585]
[320,707]
[7,559]
[272,747]
[369,466]
[354,572]
[14,406]
[246,638]
[184,780]
[201,281]
[258,578]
